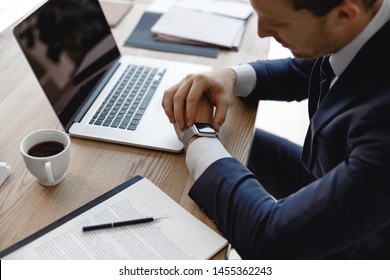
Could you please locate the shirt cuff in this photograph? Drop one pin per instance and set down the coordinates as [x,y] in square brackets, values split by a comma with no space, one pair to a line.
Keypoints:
[246,80]
[203,152]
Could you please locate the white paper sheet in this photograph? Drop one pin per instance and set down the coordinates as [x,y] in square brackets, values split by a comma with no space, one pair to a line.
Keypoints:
[200,26]
[180,236]
[226,8]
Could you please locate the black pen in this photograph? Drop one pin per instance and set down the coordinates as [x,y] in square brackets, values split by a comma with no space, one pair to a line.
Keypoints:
[121,224]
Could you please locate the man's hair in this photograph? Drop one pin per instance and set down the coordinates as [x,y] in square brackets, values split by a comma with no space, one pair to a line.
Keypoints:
[322,7]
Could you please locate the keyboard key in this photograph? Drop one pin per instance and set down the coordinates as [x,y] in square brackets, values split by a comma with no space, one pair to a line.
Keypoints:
[125,105]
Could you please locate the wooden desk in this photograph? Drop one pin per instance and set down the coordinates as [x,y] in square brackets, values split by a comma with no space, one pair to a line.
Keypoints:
[96,167]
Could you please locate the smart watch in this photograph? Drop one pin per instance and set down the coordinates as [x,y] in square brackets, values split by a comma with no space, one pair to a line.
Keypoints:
[198,129]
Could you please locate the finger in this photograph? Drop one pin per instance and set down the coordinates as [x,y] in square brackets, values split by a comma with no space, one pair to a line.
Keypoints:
[222,104]
[167,102]
[194,96]
[220,115]
[179,102]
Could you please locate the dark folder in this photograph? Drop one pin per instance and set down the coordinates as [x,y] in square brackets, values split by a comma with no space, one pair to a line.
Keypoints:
[70,216]
[143,37]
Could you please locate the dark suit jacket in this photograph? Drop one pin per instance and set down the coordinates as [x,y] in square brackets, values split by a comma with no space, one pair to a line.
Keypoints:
[347,149]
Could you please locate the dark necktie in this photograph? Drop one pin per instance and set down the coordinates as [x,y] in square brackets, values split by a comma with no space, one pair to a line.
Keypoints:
[326,77]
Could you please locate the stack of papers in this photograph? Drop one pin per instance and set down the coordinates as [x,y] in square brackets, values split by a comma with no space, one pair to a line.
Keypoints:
[5,170]
[204,22]
[229,8]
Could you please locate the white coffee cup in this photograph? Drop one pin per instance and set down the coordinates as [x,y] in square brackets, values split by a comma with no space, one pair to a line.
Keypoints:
[46,154]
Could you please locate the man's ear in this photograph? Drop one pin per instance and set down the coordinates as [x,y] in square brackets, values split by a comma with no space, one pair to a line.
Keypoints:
[346,13]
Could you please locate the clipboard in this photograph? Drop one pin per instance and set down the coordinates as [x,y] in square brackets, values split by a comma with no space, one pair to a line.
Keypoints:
[184,235]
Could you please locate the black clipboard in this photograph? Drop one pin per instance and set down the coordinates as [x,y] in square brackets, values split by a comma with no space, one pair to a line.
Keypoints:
[71,215]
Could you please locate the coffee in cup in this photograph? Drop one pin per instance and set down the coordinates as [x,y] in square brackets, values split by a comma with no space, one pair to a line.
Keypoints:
[46,149]
[46,154]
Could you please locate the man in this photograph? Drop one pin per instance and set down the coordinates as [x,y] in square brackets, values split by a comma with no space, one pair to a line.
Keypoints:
[330,199]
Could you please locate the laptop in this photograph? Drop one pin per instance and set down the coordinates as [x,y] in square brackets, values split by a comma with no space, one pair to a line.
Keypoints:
[96,92]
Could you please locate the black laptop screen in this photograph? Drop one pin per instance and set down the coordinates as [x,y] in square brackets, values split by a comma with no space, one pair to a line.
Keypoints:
[69,46]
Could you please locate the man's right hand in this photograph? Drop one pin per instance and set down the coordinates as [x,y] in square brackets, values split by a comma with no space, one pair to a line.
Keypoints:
[181,101]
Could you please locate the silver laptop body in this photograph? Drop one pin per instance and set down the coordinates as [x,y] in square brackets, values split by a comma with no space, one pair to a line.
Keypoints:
[70,48]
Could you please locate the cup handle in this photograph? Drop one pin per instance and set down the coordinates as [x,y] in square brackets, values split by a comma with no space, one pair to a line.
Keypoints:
[49,172]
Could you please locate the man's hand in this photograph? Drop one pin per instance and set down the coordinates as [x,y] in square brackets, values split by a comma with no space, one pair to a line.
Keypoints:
[204,114]
[182,100]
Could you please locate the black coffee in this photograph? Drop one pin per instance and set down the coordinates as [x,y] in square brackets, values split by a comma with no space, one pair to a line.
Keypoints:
[46,149]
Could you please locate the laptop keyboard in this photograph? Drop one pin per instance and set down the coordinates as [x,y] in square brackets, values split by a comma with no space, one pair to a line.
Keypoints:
[126,103]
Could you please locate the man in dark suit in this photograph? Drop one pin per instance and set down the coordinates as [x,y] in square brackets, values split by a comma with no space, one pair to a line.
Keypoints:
[331,198]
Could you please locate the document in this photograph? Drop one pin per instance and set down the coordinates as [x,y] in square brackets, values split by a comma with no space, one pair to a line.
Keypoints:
[222,7]
[143,37]
[201,26]
[233,8]
[179,235]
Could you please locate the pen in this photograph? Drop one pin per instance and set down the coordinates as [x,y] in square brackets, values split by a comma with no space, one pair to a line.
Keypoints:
[121,224]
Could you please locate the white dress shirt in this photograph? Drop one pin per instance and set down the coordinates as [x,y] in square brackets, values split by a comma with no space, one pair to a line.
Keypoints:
[204,151]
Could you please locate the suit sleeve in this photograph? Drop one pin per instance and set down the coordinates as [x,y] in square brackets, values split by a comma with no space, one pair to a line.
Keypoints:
[349,205]
[324,217]
[293,76]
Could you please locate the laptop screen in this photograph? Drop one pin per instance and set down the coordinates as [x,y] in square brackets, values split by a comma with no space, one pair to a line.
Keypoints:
[69,46]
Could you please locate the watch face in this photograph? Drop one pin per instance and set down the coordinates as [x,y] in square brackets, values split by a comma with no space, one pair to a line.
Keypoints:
[205,128]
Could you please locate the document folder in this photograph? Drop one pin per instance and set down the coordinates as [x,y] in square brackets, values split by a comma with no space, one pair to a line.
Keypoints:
[178,236]
[143,37]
